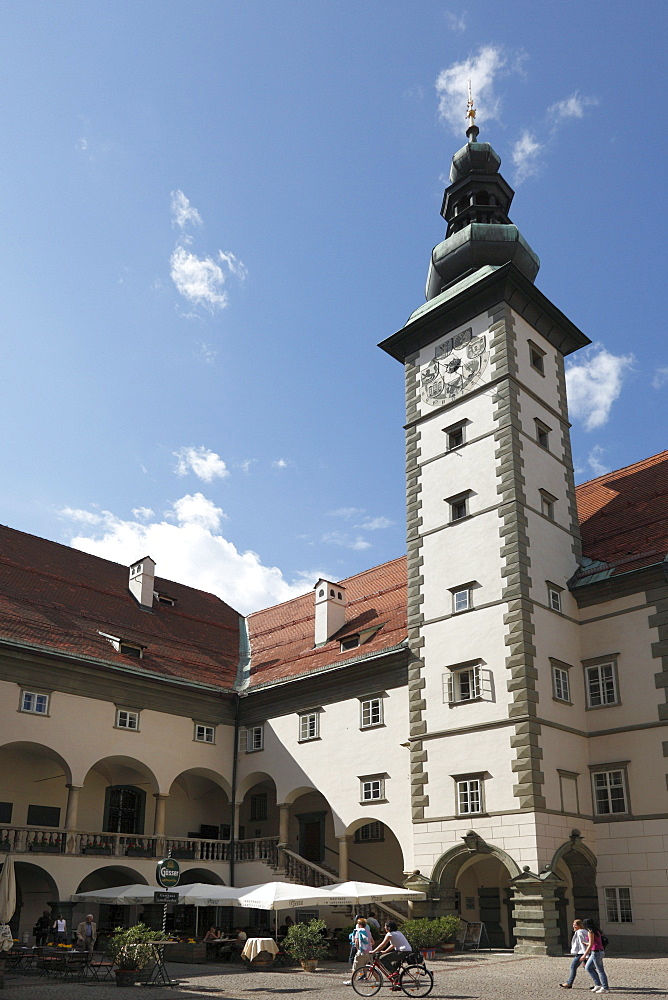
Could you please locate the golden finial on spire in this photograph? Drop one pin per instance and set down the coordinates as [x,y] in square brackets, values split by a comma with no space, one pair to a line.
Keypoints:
[471,127]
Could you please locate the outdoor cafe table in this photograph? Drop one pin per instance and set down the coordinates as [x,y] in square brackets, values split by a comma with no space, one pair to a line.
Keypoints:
[255,945]
[159,975]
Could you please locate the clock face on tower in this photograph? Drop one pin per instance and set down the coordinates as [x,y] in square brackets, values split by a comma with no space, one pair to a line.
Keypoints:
[458,366]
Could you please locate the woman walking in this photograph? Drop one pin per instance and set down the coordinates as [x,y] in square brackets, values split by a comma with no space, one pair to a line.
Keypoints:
[593,957]
[579,943]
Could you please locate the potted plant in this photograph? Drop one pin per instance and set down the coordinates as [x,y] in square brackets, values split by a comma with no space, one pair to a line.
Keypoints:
[451,926]
[131,949]
[342,936]
[306,944]
[425,935]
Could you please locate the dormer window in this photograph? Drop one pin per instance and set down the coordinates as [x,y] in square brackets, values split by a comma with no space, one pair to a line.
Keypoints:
[124,646]
[164,599]
[350,642]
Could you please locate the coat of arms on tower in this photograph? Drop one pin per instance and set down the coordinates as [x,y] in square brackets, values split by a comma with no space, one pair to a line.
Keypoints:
[458,364]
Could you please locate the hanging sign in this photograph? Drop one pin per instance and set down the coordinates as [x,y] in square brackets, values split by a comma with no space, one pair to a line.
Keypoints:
[165,897]
[168,873]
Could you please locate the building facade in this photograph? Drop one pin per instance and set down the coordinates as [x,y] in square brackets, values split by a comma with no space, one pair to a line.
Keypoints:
[484,718]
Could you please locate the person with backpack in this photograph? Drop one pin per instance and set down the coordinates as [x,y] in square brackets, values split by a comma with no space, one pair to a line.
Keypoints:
[362,940]
[579,943]
[593,957]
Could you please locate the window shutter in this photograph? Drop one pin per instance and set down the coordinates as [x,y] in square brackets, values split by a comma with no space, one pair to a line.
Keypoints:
[243,740]
[450,687]
[475,682]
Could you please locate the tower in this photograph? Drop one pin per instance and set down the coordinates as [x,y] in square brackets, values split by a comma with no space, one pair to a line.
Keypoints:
[493,540]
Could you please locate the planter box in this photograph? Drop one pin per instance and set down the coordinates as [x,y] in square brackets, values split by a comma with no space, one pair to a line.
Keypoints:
[184,855]
[139,852]
[99,851]
[190,953]
[45,848]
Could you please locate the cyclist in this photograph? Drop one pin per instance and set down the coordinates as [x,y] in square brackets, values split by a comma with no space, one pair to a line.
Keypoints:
[391,947]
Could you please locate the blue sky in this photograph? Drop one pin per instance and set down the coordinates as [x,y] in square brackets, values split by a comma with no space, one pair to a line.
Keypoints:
[212,212]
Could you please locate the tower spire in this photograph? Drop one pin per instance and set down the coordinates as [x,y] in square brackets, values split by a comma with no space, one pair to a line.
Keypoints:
[472,129]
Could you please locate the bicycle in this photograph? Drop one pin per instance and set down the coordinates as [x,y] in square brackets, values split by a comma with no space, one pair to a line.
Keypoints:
[412,977]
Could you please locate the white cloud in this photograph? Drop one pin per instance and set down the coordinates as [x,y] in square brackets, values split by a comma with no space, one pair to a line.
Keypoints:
[183,213]
[358,544]
[594,383]
[235,266]
[574,106]
[199,279]
[245,465]
[195,508]
[455,22]
[595,461]
[346,512]
[374,523]
[525,155]
[205,464]
[207,353]
[660,378]
[280,463]
[142,513]
[481,69]
[193,552]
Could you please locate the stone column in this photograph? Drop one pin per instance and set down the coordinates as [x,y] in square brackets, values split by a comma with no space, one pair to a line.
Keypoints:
[160,809]
[72,818]
[343,858]
[283,824]
[535,913]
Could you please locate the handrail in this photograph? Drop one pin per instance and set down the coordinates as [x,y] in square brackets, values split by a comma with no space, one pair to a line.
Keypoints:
[364,868]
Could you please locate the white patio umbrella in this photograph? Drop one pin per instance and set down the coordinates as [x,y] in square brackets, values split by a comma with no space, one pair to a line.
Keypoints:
[347,893]
[281,896]
[118,895]
[7,902]
[196,894]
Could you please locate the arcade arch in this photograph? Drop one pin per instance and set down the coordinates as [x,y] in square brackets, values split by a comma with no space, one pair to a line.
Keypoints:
[36,889]
[117,797]
[35,785]
[198,805]
[474,882]
[374,852]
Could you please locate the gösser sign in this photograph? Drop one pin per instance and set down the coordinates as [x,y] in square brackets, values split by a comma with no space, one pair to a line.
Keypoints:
[167,873]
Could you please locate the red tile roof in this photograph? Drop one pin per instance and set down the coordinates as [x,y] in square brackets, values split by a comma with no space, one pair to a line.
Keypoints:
[282,637]
[624,515]
[55,597]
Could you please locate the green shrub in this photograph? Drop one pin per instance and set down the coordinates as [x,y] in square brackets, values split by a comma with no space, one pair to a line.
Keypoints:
[305,941]
[426,933]
[130,947]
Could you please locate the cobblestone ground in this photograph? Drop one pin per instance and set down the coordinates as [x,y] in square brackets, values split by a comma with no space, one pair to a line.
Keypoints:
[497,976]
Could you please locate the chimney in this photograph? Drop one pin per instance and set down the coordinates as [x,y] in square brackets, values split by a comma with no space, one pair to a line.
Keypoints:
[142,581]
[330,610]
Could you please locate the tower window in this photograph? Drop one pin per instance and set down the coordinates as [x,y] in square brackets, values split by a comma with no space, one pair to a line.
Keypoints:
[537,358]
[560,684]
[543,435]
[601,684]
[554,597]
[462,684]
[461,599]
[456,436]
[459,506]
[371,713]
[547,502]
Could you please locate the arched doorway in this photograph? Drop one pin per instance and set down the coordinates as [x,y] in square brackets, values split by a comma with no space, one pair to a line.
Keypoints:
[576,866]
[35,889]
[108,915]
[474,881]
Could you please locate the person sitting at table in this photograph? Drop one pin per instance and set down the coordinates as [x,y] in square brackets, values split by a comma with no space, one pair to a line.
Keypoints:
[239,942]
[212,940]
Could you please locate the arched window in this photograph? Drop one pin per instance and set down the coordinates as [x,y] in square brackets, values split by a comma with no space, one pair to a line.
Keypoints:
[124,807]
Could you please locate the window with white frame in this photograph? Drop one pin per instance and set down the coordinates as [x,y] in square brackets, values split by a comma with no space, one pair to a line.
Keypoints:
[309,726]
[469,796]
[547,502]
[462,683]
[456,435]
[371,713]
[461,599]
[601,684]
[372,788]
[126,719]
[204,733]
[36,704]
[254,738]
[369,832]
[610,795]
[560,683]
[618,905]
[554,597]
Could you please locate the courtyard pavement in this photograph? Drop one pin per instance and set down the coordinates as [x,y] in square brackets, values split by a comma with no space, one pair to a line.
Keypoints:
[483,976]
